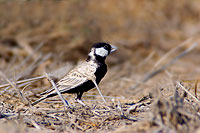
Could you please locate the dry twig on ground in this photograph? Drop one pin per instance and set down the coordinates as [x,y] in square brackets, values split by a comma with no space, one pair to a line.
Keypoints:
[65,102]
[23,98]
[165,66]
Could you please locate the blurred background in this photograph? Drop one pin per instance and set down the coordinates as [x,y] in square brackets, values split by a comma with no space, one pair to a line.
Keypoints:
[53,36]
[43,36]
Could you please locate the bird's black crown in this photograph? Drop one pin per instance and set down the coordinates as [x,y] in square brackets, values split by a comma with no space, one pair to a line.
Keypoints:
[103,45]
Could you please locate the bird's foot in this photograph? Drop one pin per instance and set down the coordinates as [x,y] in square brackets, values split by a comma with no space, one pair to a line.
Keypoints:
[81,102]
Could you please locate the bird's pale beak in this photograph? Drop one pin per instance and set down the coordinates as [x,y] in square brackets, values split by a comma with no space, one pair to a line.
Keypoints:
[113,48]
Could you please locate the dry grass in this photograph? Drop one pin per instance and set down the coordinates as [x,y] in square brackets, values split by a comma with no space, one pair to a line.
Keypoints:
[52,37]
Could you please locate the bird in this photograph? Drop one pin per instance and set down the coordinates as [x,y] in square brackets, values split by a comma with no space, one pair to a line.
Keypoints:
[84,76]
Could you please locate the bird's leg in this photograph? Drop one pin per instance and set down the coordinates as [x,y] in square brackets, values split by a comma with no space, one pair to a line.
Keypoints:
[78,98]
[80,101]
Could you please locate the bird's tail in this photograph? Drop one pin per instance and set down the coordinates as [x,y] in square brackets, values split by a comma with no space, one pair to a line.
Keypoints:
[39,100]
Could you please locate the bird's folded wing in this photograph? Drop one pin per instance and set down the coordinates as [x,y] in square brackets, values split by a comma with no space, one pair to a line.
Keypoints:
[75,78]
[88,70]
[72,80]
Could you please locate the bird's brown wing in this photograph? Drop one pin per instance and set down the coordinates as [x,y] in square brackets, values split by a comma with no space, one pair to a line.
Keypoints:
[77,76]
[82,73]
[72,80]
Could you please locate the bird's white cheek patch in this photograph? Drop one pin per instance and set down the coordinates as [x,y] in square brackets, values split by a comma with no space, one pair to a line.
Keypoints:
[101,52]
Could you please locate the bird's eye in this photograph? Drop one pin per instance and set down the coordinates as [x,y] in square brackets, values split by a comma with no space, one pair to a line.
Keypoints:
[106,46]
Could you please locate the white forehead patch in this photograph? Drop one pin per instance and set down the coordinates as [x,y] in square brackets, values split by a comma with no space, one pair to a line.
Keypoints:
[101,52]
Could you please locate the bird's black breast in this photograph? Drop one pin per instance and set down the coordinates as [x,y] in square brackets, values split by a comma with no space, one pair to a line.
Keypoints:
[100,72]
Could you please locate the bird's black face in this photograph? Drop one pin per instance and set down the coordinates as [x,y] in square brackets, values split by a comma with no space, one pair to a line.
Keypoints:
[101,50]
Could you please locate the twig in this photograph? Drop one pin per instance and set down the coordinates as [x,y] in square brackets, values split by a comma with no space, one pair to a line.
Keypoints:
[110,109]
[66,103]
[146,59]
[163,67]
[119,105]
[171,51]
[23,81]
[73,119]
[99,90]
[32,67]
[35,124]
[30,55]
[36,78]
[25,87]
[14,86]
[57,111]
[182,87]
[195,88]
[19,86]
[25,44]
[111,97]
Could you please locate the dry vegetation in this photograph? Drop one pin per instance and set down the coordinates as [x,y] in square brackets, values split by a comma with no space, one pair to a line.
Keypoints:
[142,85]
